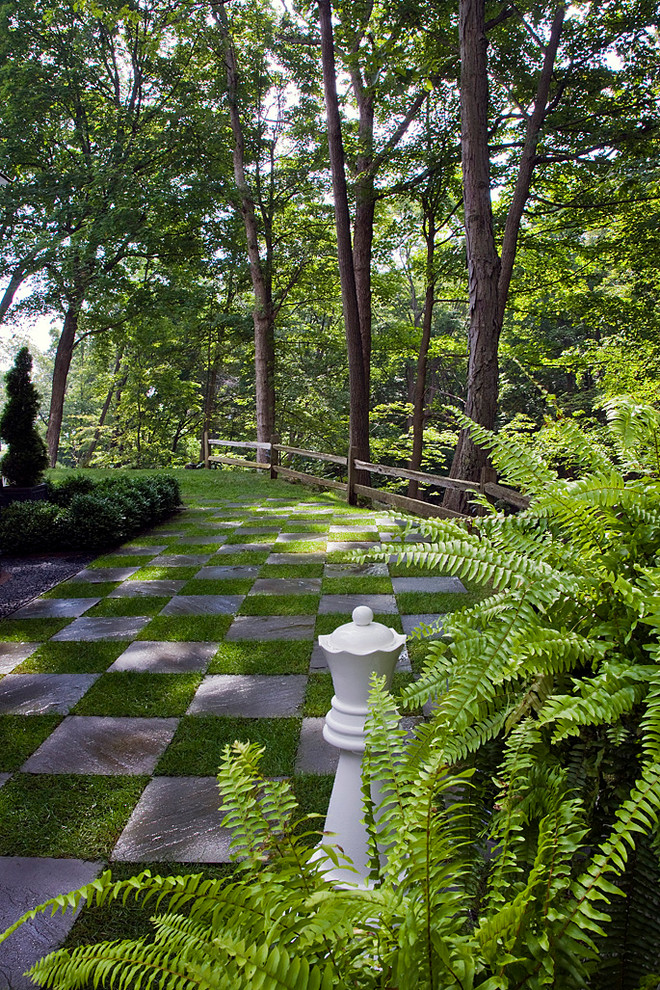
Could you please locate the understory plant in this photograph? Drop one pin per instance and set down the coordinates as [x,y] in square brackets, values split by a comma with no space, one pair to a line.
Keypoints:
[516,845]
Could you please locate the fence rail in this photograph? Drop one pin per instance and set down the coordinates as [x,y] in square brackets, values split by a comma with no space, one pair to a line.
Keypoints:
[351,486]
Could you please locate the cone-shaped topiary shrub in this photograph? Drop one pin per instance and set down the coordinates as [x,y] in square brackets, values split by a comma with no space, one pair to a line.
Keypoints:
[26,459]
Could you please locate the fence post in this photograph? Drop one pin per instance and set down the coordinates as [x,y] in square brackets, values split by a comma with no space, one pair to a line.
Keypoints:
[352,497]
[274,456]
[205,442]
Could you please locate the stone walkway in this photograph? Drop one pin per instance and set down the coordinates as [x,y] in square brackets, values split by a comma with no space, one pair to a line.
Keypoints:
[122,686]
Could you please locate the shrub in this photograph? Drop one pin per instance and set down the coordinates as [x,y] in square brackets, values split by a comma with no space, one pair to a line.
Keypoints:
[62,493]
[29,527]
[92,522]
[26,459]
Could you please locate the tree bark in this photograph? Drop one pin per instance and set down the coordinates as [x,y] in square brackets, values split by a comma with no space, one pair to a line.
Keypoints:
[63,357]
[264,313]
[357,372]
[489,277]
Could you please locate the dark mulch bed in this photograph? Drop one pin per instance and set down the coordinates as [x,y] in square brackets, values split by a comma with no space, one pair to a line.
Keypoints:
[22,579]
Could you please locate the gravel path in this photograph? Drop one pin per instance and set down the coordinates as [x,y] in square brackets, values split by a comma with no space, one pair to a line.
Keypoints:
[24,578]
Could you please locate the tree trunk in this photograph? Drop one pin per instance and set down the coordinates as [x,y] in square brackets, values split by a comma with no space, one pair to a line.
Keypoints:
[264,313]
[116,385]
[489,279]
[357,372]
[422,359]
[60,373]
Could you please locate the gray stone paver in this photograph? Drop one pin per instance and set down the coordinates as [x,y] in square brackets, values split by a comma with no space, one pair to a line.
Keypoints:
[89,629]
[252,696]
[411,622]
[176,818]
[42,694]
[27,881]
[101,745]
[164,657]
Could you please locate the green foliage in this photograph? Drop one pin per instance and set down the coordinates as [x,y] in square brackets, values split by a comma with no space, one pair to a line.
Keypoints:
[26,459]
[88,518]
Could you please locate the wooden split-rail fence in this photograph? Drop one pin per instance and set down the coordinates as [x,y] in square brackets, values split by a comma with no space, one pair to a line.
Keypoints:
[351,467]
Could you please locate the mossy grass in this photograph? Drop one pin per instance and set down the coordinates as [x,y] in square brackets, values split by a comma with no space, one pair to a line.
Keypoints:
[120,560]
[354,537]
[187,628]
[141,605]
[255,558]
[326,624]
[199,742]
[291,571]
[266,538]
[65,815]
[312,792]
[318,695]
[279,605]
[155,573]
[310,527]
[176,547]
[210,586]
[302,546]
[357,586]
[30,630]
[72,658]
[420,602]
[157,540]
[20,735]
[81,589]
[257,657]
[139,695]
[129,920]
[418,651]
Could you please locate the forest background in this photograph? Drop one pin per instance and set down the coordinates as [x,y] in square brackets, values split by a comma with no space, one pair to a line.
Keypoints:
[167,190]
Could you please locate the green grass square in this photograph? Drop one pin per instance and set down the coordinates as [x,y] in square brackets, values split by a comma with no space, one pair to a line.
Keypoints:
[356,537]
[20,735]
[81,589]
[318,695]
[120,560]
[187,628]
[256,657]
[253,557]
[176,547]
[302,546]
[199,741]
[266,538]
[155,573]
[412,570]
[420,602]
[141,605]
[279,605]
[310,527]
[72,658]
[65,815]
[156,540]
[357,586]
[221,586]
[30,630]
[139,695]
[291,571]
[326,624]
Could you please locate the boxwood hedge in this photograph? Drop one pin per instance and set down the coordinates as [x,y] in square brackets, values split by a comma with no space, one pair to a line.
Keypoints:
[81,514]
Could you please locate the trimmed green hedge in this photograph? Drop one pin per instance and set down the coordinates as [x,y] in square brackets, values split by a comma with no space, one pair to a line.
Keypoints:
[84,515]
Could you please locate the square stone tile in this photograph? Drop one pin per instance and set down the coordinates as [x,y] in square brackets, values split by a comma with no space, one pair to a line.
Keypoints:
[165,657]
[410,622]
[42,694]
[26,882]
[269,627]
[181,559]
[177,819]
[348,545]
[97,575]
[243,548]
[251,696]
[296,558]
[355,570]
[383,604]
[97,744]
[432,584]
[133,551]
[203,605]
[197,540]
[55,608]
[355,528]
[318,660]
[315,755]
[89,629]
[301,538]
[286,586]
[4,777]
[140,589]
[11,654]
[227,573]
